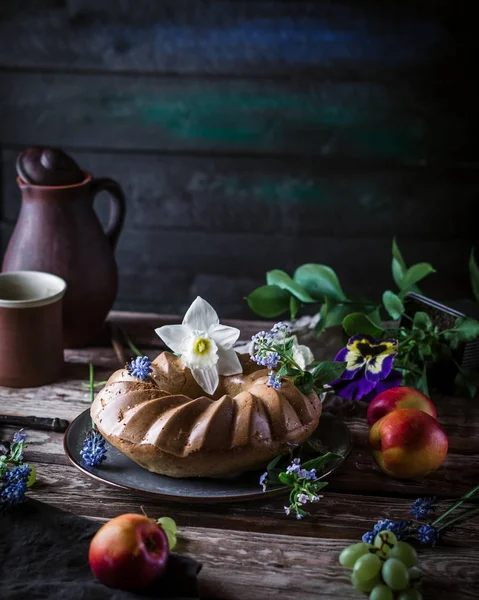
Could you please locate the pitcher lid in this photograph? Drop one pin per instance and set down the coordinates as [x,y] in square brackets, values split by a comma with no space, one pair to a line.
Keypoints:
[41,165]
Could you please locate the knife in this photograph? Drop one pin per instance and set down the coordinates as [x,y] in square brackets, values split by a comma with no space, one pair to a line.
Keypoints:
[40,423]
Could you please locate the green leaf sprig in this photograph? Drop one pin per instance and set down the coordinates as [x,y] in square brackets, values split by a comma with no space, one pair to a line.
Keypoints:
[303,478]
[13,459]
[421,342]
[275,350]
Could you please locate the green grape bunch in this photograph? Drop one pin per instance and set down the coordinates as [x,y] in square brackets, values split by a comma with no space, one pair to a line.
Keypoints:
[386,569]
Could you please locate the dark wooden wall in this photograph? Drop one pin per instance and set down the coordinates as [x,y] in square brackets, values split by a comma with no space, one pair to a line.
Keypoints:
[250,134]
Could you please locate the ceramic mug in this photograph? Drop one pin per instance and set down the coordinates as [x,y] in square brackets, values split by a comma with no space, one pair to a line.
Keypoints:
[31,337]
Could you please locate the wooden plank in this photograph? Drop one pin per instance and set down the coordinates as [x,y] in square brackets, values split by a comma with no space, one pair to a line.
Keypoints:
[292,197]
[202,263]
[367,120]
[231,545]
[304,568]
[251,255]
[234,37]
[336,516]
[244,566]
[197,225]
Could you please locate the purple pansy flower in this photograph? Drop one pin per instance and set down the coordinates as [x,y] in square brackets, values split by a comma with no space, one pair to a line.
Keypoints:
[368,370]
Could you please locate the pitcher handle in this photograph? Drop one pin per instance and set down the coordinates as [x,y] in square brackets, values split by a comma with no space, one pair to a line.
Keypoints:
[117,206]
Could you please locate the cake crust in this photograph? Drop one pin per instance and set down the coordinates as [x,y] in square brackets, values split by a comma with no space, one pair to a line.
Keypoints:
[168,425]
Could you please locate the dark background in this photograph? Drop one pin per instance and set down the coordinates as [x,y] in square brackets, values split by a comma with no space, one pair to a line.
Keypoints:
[251,135]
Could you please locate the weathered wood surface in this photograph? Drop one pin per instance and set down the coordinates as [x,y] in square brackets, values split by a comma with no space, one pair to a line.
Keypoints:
[232,37]
[169,268]
[194,225]
[256,122]
[296,197]
[252,550]
[237,116]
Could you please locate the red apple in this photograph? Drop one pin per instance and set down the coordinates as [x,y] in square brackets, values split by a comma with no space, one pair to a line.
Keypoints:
[129,552]
[408,443]
[399,397]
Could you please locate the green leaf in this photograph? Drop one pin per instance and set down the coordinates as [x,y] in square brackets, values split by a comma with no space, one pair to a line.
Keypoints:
[16,452]
[468,329]
[319,281]
[304,382]
[418,334]
[317,486]
[361,323]
[375,317]
[399,266]
[467,381]
[268,301]
[414,274]
[398,256]
[474,274]
[327,371]
[274,470]
[319,462]
[421,383]
[399,270]
[316,445]
[284,281]
[393,304]
[425,350]
[398,273]
[287,478]
[288,345]
[3,466]
[465,330]
[422,321]
[294,306]
[272,464]
[32,477]
[337,315]
[287,371]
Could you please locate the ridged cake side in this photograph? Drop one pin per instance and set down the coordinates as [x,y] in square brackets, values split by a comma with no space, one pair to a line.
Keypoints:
[168,425]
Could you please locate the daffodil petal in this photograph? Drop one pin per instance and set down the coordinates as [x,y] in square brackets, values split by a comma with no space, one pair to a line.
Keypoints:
[200,316]
[173,336]
[207,379]
[228,363]
[223,335]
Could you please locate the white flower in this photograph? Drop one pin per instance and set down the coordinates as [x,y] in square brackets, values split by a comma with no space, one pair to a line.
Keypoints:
[302,355]
[205,346]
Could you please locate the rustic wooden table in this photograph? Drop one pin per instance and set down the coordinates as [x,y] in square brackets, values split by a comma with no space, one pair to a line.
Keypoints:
[253,550]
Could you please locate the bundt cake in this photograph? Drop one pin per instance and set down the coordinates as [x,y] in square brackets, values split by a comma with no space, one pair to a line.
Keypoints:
[168,425]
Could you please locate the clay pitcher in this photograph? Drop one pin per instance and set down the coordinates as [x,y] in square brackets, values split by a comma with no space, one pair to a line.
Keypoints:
[59,232]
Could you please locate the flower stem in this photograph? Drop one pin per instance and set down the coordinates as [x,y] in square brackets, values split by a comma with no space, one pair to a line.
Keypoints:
[92,382]
[91,385]
[284,356]
[456,505]
[462,516]
[132,347]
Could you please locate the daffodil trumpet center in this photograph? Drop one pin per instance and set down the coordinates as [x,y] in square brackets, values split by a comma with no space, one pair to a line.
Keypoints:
[201,346]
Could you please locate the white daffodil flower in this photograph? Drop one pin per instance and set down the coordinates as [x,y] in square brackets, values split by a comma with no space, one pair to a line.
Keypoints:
[205,346]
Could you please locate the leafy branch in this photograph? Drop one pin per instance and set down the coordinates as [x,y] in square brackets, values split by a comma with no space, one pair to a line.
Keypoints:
[421,343]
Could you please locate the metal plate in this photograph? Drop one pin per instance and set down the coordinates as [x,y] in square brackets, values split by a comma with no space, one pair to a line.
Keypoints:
[120,471]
